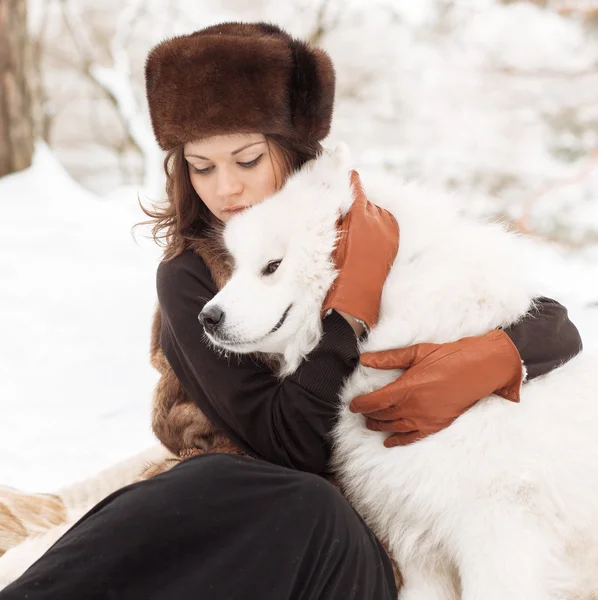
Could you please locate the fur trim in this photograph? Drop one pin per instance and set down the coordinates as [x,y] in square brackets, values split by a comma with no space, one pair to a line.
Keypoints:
[176,420]
[238,78]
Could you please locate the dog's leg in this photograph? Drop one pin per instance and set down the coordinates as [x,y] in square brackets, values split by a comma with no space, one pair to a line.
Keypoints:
[428,581]
[507,555]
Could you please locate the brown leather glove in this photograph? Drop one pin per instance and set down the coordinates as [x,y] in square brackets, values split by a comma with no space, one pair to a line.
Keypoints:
[368,245]
[440,383]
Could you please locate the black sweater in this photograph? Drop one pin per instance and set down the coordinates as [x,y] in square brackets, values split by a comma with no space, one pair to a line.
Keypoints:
[288,422]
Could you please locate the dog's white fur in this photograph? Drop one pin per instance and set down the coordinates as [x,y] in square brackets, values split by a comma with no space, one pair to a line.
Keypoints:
[501,504]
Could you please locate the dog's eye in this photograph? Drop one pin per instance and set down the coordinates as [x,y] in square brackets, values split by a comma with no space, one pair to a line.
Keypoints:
[271,267]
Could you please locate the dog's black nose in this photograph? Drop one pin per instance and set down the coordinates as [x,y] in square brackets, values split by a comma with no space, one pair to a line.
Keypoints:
[212,318]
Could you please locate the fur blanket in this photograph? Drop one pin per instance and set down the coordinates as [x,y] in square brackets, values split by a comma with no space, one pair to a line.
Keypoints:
[31,523]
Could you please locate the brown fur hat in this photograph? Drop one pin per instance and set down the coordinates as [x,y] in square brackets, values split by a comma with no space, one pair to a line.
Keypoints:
[238,78]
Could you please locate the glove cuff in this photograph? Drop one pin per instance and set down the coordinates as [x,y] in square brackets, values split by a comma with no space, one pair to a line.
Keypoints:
[514,371]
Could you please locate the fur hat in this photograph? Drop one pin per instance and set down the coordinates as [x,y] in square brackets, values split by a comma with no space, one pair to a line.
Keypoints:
[238,78]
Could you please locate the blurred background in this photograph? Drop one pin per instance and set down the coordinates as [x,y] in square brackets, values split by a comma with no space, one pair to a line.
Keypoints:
[495,99]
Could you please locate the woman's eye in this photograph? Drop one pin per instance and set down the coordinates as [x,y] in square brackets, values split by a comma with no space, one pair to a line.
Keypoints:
[251,163]
[245,165]
[271,267]
[201,171]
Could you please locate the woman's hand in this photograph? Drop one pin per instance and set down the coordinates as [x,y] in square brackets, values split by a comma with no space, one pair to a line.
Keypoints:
[441,382]
[368,245]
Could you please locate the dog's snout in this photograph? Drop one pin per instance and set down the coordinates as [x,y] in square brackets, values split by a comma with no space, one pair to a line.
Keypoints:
[212,318]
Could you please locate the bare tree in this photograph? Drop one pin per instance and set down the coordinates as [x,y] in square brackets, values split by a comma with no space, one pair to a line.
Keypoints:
[45,110]
[16,119]
[116,83]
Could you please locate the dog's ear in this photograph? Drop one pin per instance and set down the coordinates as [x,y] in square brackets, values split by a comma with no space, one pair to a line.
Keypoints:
[325,181]
[332,168]
[330,163]
[339,169]
[334,160]
[341,156]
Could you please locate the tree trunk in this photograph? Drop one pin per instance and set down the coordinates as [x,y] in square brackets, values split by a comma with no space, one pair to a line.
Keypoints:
[16,119]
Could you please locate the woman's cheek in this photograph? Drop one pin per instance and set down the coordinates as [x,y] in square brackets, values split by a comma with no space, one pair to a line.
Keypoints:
[200,187]
[268,178]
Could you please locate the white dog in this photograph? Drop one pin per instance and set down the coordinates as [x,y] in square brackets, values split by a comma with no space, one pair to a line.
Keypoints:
[503,503]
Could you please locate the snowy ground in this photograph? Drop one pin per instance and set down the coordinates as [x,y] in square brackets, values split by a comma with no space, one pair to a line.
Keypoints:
[76,305]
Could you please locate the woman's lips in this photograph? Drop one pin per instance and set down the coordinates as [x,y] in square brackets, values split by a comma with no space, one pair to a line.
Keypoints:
[234,209]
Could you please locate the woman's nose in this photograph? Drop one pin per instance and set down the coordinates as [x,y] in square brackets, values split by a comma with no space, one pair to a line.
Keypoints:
[228,184]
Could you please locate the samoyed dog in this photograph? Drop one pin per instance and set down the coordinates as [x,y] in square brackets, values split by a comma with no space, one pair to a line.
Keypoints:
[503,504]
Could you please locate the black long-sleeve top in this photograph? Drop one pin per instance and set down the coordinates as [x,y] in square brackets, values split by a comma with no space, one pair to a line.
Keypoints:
[289,422]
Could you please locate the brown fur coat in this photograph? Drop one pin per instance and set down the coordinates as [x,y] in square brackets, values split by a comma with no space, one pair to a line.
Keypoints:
[176,420]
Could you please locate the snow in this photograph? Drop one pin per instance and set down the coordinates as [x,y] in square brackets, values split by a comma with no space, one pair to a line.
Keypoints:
[78,296]
[555,41]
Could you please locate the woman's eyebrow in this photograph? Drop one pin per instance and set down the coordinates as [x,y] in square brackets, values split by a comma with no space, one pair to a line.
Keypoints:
[232,153]
[247,146]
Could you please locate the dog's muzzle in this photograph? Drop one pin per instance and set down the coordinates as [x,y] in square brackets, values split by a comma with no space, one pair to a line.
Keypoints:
[211,319]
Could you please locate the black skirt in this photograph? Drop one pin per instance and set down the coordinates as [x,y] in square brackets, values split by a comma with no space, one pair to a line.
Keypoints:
[215,527]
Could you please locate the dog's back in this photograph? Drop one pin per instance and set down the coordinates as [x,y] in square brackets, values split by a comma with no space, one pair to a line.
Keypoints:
[508,485]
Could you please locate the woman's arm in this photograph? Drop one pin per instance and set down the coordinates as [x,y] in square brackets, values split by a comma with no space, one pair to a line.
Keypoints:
[285,422]
[545,337]
[442,381]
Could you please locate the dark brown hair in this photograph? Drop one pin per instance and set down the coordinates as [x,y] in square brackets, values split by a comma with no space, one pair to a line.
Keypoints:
[183,217]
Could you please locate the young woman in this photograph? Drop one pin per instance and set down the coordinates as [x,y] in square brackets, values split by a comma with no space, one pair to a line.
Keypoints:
[238,107]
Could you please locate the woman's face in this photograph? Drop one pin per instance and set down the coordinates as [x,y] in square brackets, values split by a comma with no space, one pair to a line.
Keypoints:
[232,172]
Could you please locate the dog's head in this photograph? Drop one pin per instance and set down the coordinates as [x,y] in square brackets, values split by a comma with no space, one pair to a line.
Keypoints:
[283,269]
